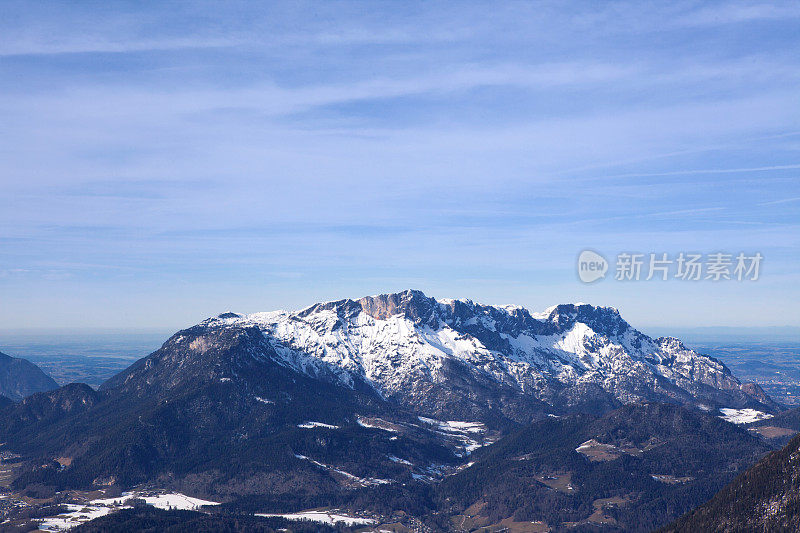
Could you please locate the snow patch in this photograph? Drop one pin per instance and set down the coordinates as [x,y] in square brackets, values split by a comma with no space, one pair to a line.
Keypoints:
[743,416]
[310,425]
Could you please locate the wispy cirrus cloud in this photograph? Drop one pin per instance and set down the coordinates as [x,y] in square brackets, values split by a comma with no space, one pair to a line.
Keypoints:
[263,156]
[740,12]
[782,201]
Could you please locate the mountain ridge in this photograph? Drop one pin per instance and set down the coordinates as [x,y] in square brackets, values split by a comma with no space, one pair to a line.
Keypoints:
[406,345]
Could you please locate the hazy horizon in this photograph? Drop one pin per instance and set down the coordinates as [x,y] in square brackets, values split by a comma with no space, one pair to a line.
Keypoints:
[784,332]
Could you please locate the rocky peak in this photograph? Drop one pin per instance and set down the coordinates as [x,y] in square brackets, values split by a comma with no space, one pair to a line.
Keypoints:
[603,320]
[421,309]
[671,343]
[341,308]
[412,304]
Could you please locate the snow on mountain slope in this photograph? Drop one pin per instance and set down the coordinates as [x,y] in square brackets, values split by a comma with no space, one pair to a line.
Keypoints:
[458,357]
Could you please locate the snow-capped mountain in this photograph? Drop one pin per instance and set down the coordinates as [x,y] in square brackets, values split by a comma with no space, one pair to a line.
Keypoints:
[362,401]
[460,358]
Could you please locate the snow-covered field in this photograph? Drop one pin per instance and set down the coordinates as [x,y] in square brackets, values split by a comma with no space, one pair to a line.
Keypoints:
[78,514]
[743,416]
[324,517]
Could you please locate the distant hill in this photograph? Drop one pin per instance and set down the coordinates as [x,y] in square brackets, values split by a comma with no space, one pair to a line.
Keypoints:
[20,378]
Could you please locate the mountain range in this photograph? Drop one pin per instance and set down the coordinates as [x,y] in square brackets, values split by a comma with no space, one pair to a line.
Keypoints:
[402,401]
[456,358]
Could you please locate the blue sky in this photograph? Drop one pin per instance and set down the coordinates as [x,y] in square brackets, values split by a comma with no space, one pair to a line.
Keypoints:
[165,162]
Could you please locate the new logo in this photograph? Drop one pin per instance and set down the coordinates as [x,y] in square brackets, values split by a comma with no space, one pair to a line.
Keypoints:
[591,266]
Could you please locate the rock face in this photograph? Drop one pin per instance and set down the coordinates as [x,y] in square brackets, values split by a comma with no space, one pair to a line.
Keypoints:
[457,358]
[20,378]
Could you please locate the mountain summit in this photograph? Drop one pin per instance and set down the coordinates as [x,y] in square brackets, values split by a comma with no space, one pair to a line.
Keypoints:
[458,358]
